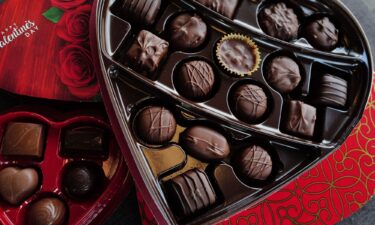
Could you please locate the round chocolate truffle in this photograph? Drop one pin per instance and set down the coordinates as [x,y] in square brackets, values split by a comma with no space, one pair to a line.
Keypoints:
[283,74]
[195,80]
[155,125]
[238,54]
[83,180]
[322,34]
[249,103]
[188,31]
[279,21]
[254,163]
[51,211]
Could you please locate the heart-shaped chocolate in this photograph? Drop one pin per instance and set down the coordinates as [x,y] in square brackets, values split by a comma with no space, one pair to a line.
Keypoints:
[18,184]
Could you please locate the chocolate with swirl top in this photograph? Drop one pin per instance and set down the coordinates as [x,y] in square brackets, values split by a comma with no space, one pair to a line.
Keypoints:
[144,11]
[147,52]
[279,21]
[51,211]
[23,139]
[204,143]
[322,34]
[155,125]
[254,163]
[224,7]
[82,180]
[195,80]
[191,192]
[301,119]
[249,103]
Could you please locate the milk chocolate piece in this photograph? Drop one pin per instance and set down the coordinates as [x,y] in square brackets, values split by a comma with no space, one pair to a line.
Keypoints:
[23,139]
[51,211]
[188,32]
[224,7]
[279,21]
[147,52]
[190,193]
[283,74]
[249,103]
[204,143]
[17,184]
[195,80]
[237,56]
[254,163]
[322,34]
[143,11]
[83,180]
[155,125]
[333,90]
[301,118]
[85,141]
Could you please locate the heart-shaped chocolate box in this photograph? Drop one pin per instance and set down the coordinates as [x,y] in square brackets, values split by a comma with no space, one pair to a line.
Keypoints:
[297,129]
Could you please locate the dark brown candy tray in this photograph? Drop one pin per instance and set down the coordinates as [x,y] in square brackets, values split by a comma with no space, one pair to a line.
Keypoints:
[160,168]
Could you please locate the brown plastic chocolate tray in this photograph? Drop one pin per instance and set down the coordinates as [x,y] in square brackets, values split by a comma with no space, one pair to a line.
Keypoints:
[126,92]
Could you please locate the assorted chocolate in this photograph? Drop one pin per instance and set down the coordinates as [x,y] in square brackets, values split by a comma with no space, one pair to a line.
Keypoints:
[51,211]
[141,11]
[195,80]
[23,140]
[83,180]
[249,103]
[147,52]
[18,184]
[231,99]
[187,31]
[204,143]
[280,21]
[283,73]
[322,34]
[191,192]
[85,140]
[43,173]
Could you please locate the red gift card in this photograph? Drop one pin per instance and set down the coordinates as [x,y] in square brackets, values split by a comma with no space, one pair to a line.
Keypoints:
[44,49]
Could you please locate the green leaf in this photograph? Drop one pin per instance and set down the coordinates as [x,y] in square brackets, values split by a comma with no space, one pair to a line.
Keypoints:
[97,98]
[1,1]
[53,14]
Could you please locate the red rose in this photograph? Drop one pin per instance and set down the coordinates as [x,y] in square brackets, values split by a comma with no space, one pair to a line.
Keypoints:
[76,71]
[74,25]
[67,4]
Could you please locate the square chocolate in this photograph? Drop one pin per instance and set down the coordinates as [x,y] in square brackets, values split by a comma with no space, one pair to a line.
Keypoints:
[224,7]
[147,52]
[85,141]
[23,140]
[301,119]
[191,192]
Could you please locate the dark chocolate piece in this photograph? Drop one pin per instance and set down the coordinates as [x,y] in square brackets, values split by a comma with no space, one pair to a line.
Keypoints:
[279,21]
[322,34]
[83,180]
[191,192]
[188,31]
[254,163]
[51,211]
[16,184]
[147,52]
[236,55]
[84,141]
[301,118]
[283,74]
[333,90]
[195,80]
[204,143]
[155,125]
[143,11]
[249,103]
[224,7]
[23,139]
